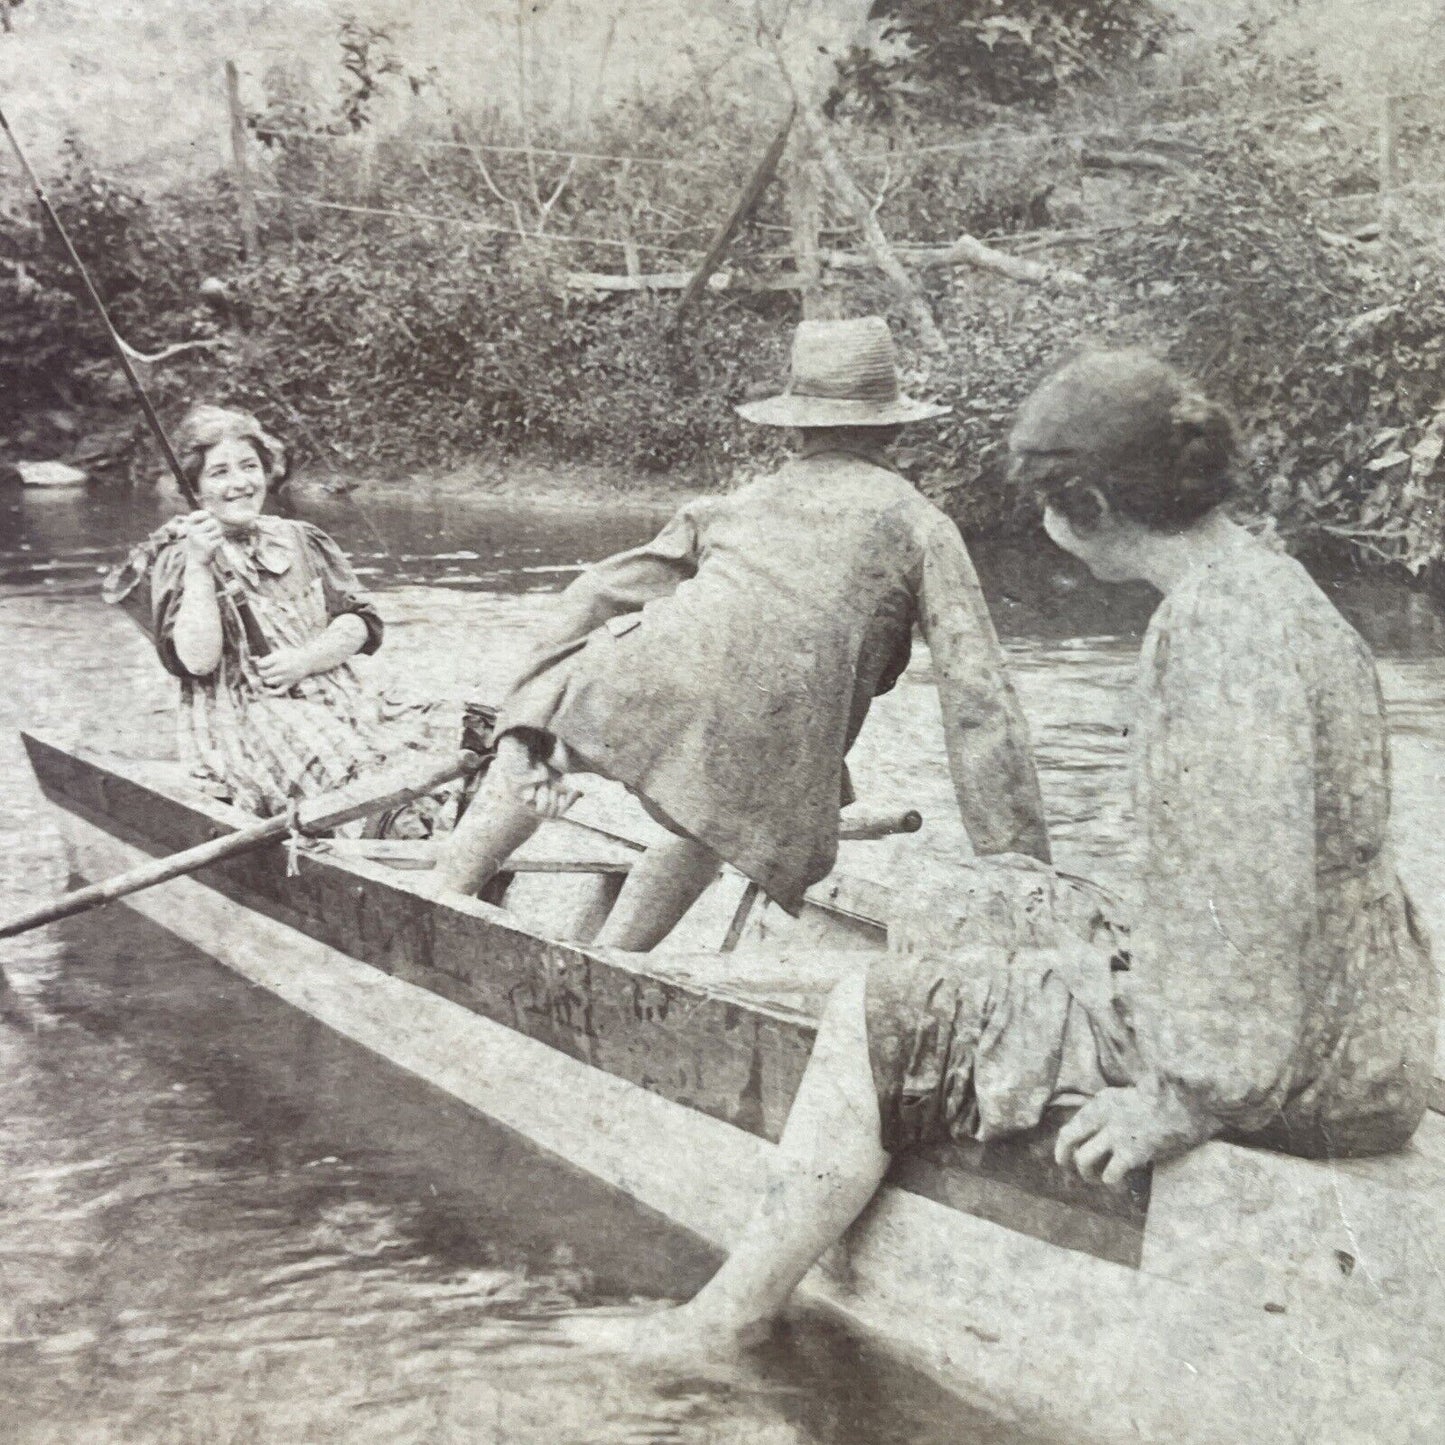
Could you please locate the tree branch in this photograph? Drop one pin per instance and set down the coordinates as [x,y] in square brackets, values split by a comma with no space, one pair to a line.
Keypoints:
[971,252]
[846,188]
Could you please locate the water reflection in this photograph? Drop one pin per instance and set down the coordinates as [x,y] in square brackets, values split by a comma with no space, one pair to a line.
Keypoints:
[224,1222]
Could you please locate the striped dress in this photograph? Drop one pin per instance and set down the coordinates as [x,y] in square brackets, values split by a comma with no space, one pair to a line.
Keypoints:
[256,748]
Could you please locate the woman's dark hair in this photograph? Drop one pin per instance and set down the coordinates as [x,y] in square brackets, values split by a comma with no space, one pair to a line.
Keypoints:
[204,427]
[1130,429]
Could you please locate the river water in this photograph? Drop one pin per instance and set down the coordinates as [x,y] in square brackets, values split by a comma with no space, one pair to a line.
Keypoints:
[220,1224]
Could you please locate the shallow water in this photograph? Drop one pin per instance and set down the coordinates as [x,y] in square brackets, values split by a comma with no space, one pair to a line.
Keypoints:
[218,1223]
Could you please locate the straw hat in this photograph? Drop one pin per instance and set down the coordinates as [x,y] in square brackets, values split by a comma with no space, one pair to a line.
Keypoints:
[843,373]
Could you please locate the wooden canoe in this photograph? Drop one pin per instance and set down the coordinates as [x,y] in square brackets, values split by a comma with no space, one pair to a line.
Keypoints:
[1251,1297]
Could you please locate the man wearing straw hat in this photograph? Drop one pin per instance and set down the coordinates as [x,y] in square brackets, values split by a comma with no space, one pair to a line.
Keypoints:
[722,671]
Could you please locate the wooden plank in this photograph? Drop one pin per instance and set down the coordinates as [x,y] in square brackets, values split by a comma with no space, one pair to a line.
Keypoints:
[742,208]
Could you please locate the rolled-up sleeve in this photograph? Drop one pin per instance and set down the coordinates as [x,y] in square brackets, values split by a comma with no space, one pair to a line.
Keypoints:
[167,584]
[607,589]
[343,591]
[989,751]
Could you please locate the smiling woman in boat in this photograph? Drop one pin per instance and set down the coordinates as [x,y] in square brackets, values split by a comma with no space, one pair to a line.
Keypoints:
[1277,989]
[297,721]
[722,671]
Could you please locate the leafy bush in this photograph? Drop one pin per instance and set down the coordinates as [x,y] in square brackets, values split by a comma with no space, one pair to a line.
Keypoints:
[411,345]
[944,56]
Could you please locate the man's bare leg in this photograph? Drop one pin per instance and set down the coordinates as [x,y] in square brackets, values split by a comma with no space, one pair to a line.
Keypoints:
[663,884]
[493,828]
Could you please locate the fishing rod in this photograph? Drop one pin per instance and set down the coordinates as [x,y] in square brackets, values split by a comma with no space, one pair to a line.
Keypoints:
[255,638]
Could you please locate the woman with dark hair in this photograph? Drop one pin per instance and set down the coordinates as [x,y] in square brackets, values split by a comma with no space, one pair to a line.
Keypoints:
[296,721]
[1276,987]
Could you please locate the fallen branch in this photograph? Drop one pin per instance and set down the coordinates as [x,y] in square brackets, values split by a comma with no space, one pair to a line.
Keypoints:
[971,252]
[1108,160]
[967,251]
[653,281]
[597,281]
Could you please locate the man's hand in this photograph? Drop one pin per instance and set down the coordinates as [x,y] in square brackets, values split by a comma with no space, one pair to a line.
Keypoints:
[282,669]
[1121,1130]
[532,781]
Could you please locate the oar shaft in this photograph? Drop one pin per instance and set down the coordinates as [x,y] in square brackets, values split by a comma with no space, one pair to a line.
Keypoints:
[161,870]
[332,811]
[859,825]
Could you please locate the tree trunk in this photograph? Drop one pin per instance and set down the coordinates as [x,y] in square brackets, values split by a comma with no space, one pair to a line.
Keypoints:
[808,84]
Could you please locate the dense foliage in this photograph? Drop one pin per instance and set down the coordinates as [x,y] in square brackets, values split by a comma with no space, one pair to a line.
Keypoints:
[376,342]
[943,56]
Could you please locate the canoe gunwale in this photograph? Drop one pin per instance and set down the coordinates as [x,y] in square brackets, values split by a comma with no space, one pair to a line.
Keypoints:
[701,1044]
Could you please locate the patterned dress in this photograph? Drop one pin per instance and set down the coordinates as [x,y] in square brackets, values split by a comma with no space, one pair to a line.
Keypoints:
[1276,983]
[243,742]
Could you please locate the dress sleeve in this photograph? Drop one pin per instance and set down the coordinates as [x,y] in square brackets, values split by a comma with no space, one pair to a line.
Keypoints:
[343,590]
[607,589]
[167,586]
[989,752]
[1226,812]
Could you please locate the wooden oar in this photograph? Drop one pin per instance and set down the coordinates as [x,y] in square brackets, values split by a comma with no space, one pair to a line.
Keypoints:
[858,826]
[319,815]
[861,825]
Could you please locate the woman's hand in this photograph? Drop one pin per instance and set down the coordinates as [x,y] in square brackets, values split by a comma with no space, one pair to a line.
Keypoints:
[203,537]
[1121,1130]
[282,669]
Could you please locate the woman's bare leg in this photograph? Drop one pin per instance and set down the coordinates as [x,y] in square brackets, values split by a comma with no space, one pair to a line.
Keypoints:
[828,1165]
[664,883]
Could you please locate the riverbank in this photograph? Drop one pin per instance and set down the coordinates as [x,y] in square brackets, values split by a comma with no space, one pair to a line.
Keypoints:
[538,483]
[535,482]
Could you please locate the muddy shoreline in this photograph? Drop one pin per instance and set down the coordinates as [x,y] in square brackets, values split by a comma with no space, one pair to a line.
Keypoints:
[553,486]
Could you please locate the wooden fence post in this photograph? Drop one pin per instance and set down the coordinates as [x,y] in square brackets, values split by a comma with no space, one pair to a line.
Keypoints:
[805,221]
[245,189]
[1389,161]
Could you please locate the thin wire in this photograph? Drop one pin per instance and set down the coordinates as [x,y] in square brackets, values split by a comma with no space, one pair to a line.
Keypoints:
[264,132]
[1012,141]
[1021,139]
[487,226]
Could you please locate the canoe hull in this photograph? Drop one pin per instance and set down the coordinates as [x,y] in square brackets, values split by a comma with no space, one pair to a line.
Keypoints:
[1234,1322]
